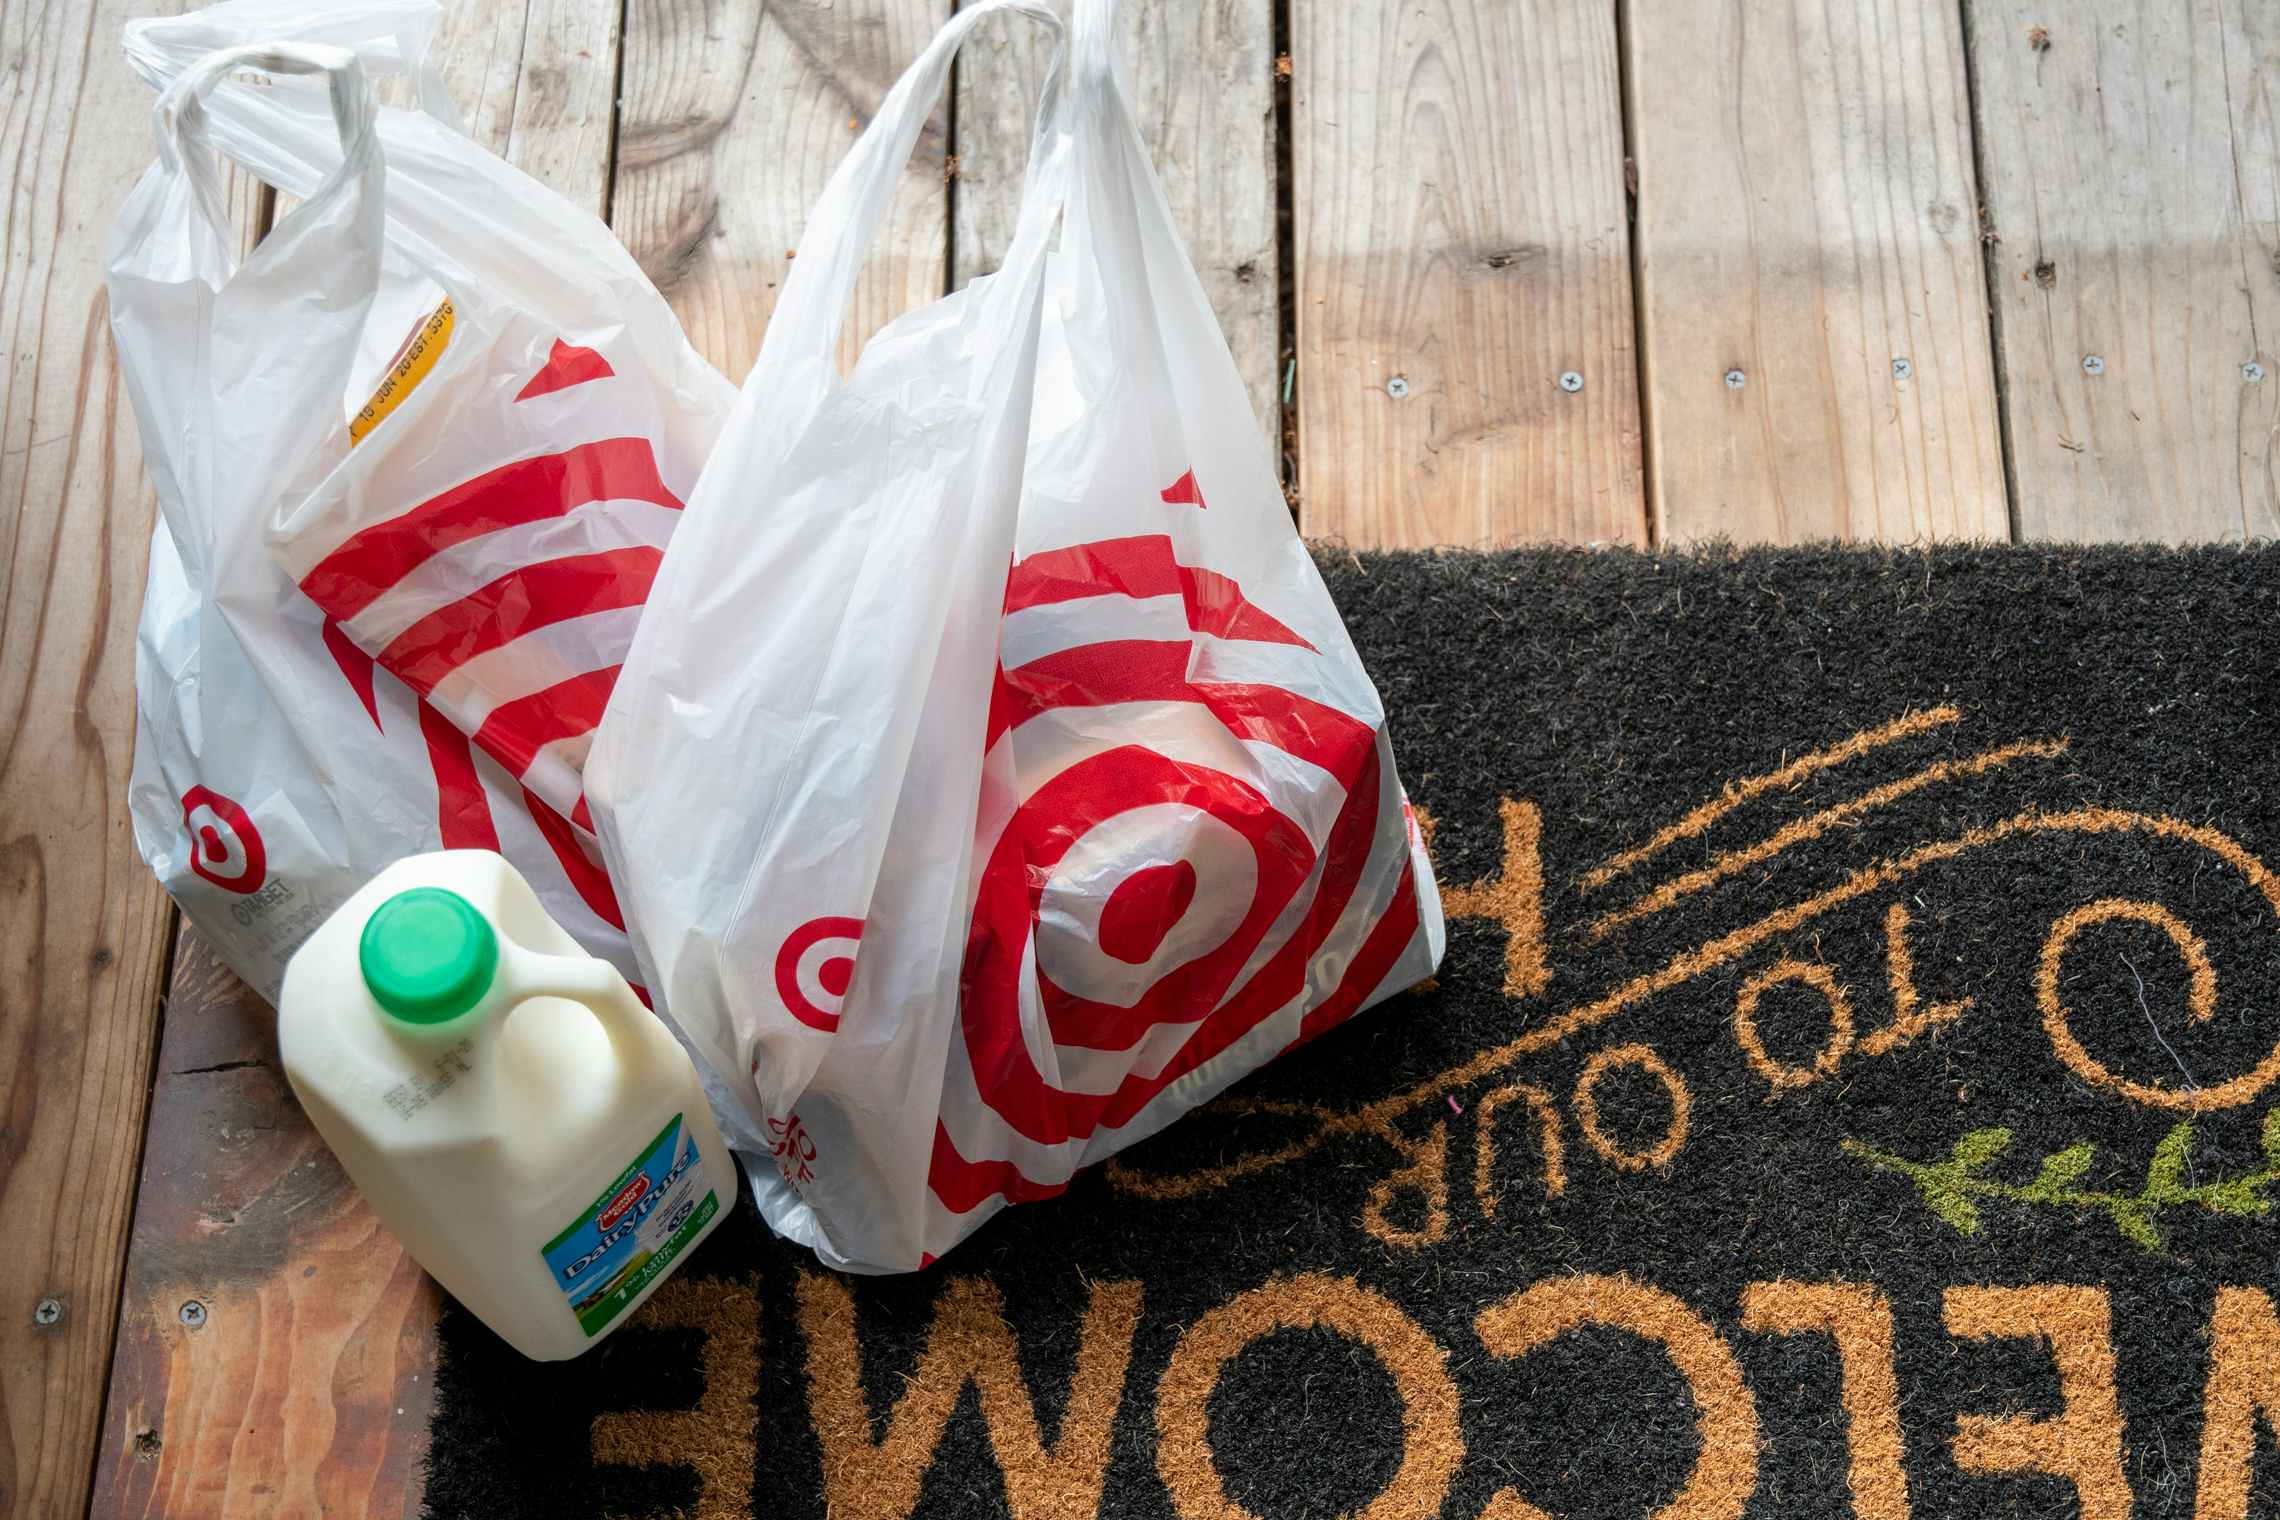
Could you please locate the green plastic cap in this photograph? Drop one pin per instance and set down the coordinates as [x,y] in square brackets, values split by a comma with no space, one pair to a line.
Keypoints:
[427,955]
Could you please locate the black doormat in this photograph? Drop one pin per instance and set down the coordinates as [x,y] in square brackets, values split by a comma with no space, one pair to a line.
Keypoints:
[1850,1090]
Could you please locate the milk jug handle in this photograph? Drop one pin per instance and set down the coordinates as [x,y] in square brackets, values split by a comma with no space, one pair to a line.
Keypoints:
[595,984]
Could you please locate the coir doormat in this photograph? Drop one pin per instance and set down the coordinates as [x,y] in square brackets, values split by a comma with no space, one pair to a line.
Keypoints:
[1853,1089]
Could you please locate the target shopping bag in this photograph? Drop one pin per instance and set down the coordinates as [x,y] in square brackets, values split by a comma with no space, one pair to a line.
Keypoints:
[417,461]
[1004,783]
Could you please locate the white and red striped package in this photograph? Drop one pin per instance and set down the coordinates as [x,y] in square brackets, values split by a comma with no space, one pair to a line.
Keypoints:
[417,457]
[1001,782]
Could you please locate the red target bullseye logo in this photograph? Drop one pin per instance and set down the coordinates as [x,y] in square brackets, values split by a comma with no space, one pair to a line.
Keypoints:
[1143,909]
[1203,856]
[814,967]
[225,847]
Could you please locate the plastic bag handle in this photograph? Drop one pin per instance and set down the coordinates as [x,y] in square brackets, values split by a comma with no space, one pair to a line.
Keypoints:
[184,146]
[805,327]
[1095,42]
[388,36]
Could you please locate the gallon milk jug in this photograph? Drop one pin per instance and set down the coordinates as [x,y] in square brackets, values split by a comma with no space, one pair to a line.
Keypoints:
[533,1134]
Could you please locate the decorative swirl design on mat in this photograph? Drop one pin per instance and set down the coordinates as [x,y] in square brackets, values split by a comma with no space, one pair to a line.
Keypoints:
[1421,1159]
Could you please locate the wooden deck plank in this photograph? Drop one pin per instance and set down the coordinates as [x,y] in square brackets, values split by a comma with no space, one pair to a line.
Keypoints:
[86,926]
[733,115]
[1458,173]
[305,1383]
[2133,171]
[1203,89]
[535,82]
[1811,286]
[276,1346]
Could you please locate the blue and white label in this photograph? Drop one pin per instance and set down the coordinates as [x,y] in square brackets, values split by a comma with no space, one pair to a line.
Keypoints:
[631,1235]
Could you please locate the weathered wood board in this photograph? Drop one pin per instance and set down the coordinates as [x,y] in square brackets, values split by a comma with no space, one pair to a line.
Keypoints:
[86,927]
[2132,153]
[1461,245]
[276,1346]
[733,116]
[1811,295]
[1203,88]
[535,81]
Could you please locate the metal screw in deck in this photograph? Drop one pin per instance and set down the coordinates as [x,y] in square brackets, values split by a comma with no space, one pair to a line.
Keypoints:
[1397,387]
[1570,381]
[2093,365]
[47,1312]
[193,1313]
[1902,369]
[2252,372]
[1735,379]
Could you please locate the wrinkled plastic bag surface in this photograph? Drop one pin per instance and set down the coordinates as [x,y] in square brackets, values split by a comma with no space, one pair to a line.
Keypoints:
[417,460]
[976,877]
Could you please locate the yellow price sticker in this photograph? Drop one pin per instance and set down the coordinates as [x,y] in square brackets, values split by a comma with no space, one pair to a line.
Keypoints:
[413,362]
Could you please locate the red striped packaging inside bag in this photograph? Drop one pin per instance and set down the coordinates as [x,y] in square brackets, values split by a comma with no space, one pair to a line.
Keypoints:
[505,600]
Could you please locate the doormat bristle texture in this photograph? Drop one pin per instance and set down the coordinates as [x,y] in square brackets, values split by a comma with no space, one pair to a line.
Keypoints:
[1853,1088]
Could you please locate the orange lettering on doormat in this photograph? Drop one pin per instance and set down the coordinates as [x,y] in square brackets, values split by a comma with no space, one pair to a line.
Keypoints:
[868,1477]
[1859,1320]
[716,1436]
[1726,1472]
[2082,1443]
[1433,1443]
[2242,1386]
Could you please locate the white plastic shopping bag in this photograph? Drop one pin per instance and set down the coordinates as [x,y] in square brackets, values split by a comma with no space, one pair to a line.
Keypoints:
[978,874]
[417,462]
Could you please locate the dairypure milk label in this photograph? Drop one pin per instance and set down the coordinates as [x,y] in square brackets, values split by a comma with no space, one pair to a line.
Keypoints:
[631,1235]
